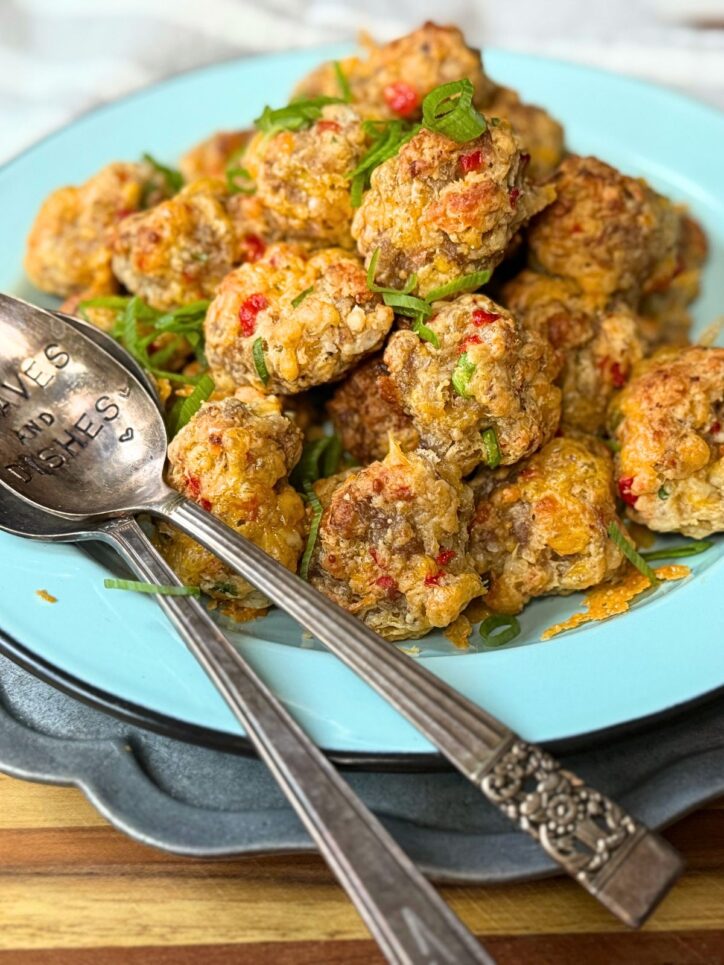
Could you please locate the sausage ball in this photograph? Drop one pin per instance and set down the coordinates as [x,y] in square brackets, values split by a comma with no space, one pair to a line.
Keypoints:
[69,245]
[211,157]
[442,209]
[665,313]
[609,233]
[393,79]
[392,545]
[539,133]
[366,412]
[233,458]
[669,423]
[302,179]
[598,342]
[488,373]
[179,251]
[309,315]
[541,527]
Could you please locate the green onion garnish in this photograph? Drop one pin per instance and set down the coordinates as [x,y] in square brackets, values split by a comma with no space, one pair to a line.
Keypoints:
[449,110]
[297,301]
[344,88]
[184,409]
[173,178]
[612,444]
[631,554]
[331,456]
[408,305]
[159,588]
[257,351]
[233,174]
[677,552]
[467,283]
[380,289]
[663,493]
[320,458]
[492,449]
[313,529]
[387,137]
[425,333]
[462,373]
[508,625]
[296,115]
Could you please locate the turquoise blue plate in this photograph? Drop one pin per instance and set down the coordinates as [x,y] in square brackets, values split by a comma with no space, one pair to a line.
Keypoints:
[118,649]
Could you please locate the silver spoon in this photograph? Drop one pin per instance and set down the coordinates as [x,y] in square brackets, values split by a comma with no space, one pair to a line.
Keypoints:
[94,462]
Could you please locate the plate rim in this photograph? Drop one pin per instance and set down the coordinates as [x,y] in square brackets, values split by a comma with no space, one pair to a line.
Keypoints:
[191,732]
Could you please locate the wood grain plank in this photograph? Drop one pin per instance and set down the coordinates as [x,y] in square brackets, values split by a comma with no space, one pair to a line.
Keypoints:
[29,805]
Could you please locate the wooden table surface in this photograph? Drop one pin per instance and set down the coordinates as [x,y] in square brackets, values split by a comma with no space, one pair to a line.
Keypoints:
[72,889]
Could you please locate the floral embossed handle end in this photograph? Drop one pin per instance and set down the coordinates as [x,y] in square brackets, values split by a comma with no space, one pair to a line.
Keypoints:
[617,859]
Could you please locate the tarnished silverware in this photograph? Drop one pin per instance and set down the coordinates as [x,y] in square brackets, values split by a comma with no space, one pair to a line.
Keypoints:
[102,455]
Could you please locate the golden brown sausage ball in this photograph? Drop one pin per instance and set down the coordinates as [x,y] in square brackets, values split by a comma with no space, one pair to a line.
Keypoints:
[665,313]
[541,527]
[442,209]
[392,545]
[313,312]
[392,80]
[69,246]
[669,422]
[178,251]
[302,179]
[610,233]
[233,458]
[598,342]
[212,156]
[366,411]
[489,373]
[540,134]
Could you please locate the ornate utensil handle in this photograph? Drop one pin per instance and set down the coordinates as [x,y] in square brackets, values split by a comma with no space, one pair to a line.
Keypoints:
[409,920]
[620,862]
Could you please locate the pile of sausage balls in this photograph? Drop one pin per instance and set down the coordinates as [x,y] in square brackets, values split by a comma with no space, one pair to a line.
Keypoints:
[494,432]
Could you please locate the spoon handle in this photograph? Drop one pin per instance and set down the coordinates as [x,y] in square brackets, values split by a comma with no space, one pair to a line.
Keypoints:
[615,858]
[407,917]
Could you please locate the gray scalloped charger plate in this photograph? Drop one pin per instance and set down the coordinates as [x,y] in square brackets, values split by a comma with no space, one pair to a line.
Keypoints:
[201,802]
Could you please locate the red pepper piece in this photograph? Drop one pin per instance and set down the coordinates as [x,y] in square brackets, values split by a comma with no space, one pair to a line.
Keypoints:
[253,247]
[468,341]
[618,376]
[513,196]
[444,557]
[624,488]
[248,312]
[433,579]
[481,317]
[401,98]
[471,162]
[328,126]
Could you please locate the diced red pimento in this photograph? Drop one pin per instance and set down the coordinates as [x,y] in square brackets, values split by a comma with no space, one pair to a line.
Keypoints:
[715,428]
[328,126]
[389,584]
[624,487]
[445,556]
[433,579]
[513,196]
[401,98]
[254,247]
[468,341]
[193,488]
[249,311]
[471,162]
[481,317]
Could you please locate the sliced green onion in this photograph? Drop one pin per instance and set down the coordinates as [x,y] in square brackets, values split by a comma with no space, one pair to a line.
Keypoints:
[380,289]
[331,457]
[468,283]
[387,138]
[296,115]
[677,552]
[663,493]
[612,444]
[257,351]
[228,589]
[297,301]
[508,625]
[344,88]
[232,175]
[462,373]
[160,588]
[449,110]
[425,333]
[313,529]
[492,449]
[188,407]
[409,305]
[631,554]
[307,469]
[173,178]
[116,302]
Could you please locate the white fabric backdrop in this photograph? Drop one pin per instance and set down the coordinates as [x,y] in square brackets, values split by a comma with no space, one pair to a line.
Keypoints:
[60,57]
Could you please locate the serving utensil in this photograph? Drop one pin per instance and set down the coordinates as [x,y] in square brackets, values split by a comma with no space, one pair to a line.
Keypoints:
[102,456]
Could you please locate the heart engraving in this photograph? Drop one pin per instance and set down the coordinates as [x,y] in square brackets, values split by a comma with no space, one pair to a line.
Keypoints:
[127,435]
